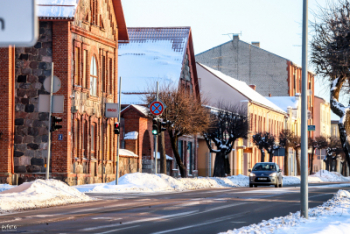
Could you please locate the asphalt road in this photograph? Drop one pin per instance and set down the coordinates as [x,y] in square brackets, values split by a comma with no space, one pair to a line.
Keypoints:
[200,211]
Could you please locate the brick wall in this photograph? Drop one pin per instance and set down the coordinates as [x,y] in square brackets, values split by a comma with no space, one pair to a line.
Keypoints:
[6,113]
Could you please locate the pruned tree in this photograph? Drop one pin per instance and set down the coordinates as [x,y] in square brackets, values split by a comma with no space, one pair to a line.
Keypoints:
[295,143]
[286,137]
[333,151]
[266,141]
[227,124]
[330,55]
[319,142]
[184,115]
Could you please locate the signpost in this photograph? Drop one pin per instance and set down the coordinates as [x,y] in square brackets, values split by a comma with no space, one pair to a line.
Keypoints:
[18,23]
[311,128]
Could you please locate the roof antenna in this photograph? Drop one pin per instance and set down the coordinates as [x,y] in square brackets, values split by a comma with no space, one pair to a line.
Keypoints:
[232,35]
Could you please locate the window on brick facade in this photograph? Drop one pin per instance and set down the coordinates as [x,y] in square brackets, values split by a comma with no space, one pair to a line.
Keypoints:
[85,59]
[94,12]
[108,142]
[76,123]
[93,77]
[103,74]
[93,140]
[110,76]
[76,65]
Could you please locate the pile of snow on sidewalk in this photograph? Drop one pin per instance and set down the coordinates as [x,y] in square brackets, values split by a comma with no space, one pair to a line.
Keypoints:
[40,193]
[4,187]
[332,217]
[326,176]
[144,182]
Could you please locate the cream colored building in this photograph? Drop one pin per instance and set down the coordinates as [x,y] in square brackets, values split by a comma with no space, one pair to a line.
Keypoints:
[262,113]
[292,105]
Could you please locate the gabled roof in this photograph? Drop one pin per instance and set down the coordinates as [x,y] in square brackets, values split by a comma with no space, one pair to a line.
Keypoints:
[65,10]
[244,89]
[141,109]
[152,54]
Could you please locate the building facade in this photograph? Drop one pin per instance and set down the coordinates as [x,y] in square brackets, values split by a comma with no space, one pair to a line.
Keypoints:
[165,55]
[263,115]
[81,40]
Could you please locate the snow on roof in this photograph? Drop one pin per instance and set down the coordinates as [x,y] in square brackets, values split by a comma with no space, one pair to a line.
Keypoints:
[125,152]
[131,136]
[167,156]
[144,110]
[244,89]
[284,102]
[64,9]
[152,54]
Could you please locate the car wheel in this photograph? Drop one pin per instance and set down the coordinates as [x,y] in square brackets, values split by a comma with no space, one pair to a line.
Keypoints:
[250,185]
[281,185]
[256,186]
[276,185]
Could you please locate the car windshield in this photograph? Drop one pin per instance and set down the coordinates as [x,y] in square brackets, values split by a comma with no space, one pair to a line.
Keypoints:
[264,167]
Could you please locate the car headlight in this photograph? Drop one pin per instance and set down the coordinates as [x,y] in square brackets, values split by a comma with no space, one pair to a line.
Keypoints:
[273,174]
[251,174]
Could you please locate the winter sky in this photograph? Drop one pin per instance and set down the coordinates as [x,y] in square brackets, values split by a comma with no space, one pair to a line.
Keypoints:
[276,24]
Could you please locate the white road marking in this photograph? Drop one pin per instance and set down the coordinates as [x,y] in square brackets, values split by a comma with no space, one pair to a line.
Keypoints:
[139,221]
[119,229]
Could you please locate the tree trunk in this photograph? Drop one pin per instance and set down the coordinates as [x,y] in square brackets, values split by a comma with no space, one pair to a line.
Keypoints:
[227,165]
[182,168]
[327,163]
[262,155]
[162,153]
[270,156]
[298,161]
[344,143]
[312,161]
[219,166]
[286,162]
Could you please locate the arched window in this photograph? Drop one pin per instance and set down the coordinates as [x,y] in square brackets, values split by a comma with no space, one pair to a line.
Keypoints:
[93,77]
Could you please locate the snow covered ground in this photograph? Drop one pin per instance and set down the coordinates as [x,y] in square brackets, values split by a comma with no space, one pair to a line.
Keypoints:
[332,217]
[40,193]
[144,182]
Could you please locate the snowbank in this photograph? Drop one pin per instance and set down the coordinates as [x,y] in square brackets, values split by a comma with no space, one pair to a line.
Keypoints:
[332,217]
[144,182]
[326,176]
[40,193]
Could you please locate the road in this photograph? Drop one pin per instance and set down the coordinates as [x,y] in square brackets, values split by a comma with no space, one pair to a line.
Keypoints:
[200,211]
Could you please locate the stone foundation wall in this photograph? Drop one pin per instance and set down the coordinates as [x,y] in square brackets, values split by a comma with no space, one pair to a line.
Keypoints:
[33,66]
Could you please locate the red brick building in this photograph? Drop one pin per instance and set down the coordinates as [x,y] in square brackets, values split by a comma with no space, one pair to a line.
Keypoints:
[155,54]
[81,38]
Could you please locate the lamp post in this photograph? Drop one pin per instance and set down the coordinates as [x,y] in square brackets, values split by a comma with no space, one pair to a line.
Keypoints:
[304,141]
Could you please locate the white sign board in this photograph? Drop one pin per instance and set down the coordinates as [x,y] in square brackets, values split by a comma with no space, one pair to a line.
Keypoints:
[18,23]
[44,103]
[112,110]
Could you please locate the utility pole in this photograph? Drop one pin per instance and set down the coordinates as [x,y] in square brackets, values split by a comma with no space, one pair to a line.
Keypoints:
[49,135]
[156,140]
[304,141]
[118,135]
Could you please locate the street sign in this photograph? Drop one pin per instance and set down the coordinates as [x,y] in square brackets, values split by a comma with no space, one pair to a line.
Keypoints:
[311,128]
[56,84]
[112,110]
[157,107]
[60,137]
[18,23]
[44,103]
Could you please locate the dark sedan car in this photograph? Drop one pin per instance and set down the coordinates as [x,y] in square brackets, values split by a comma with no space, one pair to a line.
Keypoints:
[265,173]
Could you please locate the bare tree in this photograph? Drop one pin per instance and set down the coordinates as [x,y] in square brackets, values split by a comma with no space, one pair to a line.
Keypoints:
[330,54]
[319,142]
[286,137]
[333,150]
[184,115]
[266,141]
[227,125]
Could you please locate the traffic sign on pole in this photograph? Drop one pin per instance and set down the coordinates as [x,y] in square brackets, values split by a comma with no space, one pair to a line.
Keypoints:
[18,23]
[157,107]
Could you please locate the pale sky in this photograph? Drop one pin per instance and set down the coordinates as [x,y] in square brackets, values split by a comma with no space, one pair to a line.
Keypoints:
[276,24]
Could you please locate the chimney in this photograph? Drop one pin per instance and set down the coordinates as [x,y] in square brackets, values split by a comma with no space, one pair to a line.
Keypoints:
[252,86]
[256,43]
[270,95]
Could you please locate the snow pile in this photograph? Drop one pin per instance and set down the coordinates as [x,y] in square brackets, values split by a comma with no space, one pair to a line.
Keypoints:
[144,182]
[4,187]
[326,176]
[289,180]
[332,217]
[40,193]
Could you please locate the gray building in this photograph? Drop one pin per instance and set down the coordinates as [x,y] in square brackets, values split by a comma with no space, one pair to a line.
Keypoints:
[272,74]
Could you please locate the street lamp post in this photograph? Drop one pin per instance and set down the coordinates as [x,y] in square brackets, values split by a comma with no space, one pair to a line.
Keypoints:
[304,141]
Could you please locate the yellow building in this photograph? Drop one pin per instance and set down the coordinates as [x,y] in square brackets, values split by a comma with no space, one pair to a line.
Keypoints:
[264,116]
